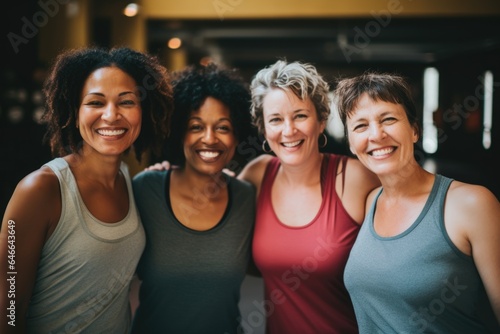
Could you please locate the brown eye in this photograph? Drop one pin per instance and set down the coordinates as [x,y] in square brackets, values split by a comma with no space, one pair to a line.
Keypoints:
[195,127]
[128,102]
[224,128]
[359,127]
[93,103]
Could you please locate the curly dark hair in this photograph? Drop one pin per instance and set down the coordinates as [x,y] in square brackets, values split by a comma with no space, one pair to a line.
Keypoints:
[191,87]
[63,86]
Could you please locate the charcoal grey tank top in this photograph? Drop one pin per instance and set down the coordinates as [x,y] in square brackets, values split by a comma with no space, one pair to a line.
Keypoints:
[417,281]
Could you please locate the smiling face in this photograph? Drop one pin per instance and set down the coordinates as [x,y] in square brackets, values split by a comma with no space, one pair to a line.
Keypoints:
[109,117]
[291,126]
[210,142]
[381,136]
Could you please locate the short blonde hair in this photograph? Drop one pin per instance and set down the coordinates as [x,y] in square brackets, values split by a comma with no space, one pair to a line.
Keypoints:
[300,78]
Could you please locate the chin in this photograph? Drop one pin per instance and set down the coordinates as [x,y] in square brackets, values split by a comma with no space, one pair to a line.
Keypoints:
[210,171]
[291,160]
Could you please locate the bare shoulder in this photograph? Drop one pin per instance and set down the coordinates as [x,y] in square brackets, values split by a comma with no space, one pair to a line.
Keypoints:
[36,198]
[40,182]
[472,218]
[254,171]
[31,214]
[359,182]
[471,213]
[359,177]
[470,198]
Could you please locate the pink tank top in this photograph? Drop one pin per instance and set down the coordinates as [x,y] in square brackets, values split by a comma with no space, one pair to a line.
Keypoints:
[303,267]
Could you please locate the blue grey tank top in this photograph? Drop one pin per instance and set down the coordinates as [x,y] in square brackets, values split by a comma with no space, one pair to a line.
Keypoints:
[417,281]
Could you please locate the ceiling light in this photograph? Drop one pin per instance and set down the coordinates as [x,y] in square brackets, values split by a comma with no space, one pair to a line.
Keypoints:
[131,9]
[174,43]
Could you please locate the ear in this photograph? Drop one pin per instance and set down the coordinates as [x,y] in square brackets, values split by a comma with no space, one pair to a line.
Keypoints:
[415,134]
[322,125]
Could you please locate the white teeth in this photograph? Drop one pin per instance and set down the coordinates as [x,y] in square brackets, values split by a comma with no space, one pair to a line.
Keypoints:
[383,151]
[292,144]
[209,154]
[110,132]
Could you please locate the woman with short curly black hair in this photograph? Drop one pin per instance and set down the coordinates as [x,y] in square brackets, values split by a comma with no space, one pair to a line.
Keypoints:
[198,220]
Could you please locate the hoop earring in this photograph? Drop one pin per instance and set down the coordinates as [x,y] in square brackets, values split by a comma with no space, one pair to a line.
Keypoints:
[264,147]
[326,140]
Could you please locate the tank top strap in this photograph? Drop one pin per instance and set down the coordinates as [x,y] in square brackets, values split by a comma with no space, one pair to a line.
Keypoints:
[344,165]
[329,171]
[267,182]
[335,161]
[271,171]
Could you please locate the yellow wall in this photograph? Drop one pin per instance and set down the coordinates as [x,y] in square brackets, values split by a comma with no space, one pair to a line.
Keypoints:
[231,9]
[129,31]
[67,27]
[70,26]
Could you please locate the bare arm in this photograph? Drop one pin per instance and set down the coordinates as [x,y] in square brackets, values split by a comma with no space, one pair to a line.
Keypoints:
[472,217]
[359,182]
[254,171]
[26,225]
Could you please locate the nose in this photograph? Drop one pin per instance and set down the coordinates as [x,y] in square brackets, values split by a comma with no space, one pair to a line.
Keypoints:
[111,113]
[289,128]
[209,137]
[376,132]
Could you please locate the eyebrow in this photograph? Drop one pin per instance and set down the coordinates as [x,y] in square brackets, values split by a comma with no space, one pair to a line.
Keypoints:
[389,112]
[362,118]
[197,118]
[293,112]
[101,94]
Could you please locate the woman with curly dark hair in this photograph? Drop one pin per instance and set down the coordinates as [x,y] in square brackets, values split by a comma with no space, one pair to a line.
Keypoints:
[198,220]
[71,227]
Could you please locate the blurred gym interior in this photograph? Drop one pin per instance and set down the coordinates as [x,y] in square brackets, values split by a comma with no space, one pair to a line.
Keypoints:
[456,44]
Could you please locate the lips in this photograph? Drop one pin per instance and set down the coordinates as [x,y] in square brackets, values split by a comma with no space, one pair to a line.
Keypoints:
[209,154]
[111,132]
[293,143]
[382,151]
